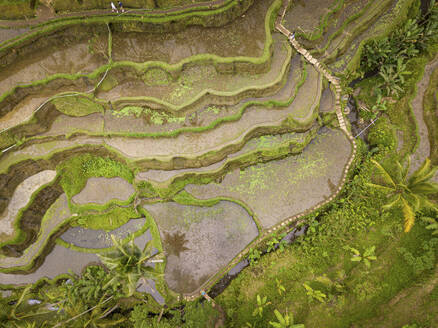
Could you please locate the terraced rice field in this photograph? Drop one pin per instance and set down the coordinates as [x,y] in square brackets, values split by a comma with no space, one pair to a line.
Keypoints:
[203,138]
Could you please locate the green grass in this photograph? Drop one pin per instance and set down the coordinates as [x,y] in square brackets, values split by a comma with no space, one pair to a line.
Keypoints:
[112,219]
[14,9]
[75,172]
[77,106]
[430,107]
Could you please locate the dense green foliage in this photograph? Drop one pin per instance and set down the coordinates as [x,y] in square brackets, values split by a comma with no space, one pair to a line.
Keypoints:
[388,55]
[76,106]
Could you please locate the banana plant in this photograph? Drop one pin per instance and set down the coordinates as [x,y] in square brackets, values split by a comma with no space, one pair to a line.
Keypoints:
[280,287]
[262,302]
[314,294]
[367,256]
[284,321]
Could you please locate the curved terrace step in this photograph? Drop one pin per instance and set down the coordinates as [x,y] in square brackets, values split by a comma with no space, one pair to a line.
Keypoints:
[344,58]
[21,198]
[138,121]
[57,216]
[261,149]
[215,143]
[219,14]
[280,189]
[83,49]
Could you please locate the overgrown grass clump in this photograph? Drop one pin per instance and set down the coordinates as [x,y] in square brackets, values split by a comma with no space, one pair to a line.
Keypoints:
[77,106]
[113,219]
[13,9]
[77,170]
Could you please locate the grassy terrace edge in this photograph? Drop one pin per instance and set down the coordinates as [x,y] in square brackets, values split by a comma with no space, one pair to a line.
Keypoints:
[287,126]
[171,68]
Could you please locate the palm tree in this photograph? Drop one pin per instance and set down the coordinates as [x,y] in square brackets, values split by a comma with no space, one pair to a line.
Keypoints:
[411,194]
[127,264]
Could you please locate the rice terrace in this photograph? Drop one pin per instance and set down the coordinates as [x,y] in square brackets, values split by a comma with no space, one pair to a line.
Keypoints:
[222,163]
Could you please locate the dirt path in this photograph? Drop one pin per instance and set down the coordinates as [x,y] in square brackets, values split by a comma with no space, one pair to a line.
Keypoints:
[423,145]
[333,80]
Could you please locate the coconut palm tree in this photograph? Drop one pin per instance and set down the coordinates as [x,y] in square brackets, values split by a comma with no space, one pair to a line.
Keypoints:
[127,264]
[409,193]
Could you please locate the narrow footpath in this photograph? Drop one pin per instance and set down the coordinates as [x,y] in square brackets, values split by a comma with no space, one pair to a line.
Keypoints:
[333,80]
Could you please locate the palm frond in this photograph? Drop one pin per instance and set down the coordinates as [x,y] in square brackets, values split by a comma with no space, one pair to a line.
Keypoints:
[413,200]
[424,173]
[425,188]
[409,215]
[428,204]
[393,201]
[385,175]
[406,168]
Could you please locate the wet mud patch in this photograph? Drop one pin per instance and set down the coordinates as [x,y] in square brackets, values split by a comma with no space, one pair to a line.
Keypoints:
[280,189]
[305,15]
[103,190]
[255,117]
[56,215]
[327,101]
[89,238]
[142,119]
[259,143]
[244,36]
[68,58]
[31,219]
[199,241]
[20,199]
[40,150]
[67,125]
[196,80]
[59,261]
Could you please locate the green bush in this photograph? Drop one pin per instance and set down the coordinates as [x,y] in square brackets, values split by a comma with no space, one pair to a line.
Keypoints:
[382,135]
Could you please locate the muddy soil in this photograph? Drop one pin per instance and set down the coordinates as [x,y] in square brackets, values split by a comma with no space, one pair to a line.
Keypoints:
[103,190]
[280,189]
[89,238]
[20,199]
[243,37]
[67,58]
[262,142]
[198,241]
